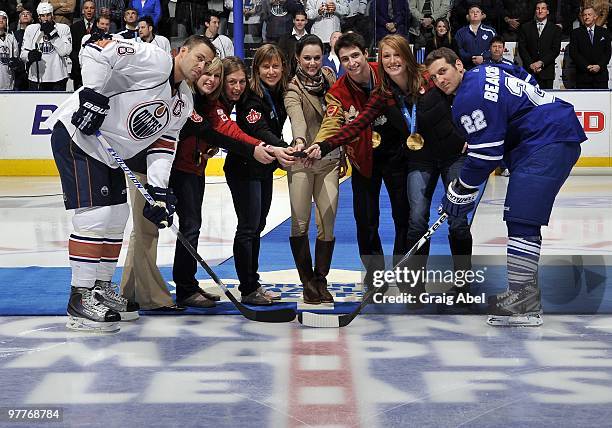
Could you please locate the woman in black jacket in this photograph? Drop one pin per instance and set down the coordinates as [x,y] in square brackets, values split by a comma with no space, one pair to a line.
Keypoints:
[442,37]
[261,114]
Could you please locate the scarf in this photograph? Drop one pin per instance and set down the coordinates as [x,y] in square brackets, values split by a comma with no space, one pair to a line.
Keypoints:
[316,85]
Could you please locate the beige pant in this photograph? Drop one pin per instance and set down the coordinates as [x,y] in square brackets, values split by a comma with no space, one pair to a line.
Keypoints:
[319,182]
[141,279]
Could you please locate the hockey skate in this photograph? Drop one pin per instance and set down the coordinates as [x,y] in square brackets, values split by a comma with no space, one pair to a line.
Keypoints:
[516,308]
[109,297]
[86,313]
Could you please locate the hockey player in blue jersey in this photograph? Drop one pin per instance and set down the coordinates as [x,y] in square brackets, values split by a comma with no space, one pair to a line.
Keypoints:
[538,136]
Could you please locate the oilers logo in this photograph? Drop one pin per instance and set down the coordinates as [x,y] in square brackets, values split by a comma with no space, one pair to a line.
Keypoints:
[147,119]
[46,47]
[4,55]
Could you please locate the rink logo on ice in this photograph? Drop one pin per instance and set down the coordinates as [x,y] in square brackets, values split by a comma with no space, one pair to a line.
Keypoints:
[147,119]
[592,121]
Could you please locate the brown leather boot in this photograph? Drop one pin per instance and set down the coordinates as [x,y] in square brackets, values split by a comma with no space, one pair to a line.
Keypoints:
[300,247]
[323,256]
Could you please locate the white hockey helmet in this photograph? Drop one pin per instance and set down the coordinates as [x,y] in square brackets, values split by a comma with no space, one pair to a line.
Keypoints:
[44,8]
[3,13]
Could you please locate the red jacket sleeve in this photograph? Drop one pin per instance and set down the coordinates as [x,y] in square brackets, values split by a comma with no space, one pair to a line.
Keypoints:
[221,123]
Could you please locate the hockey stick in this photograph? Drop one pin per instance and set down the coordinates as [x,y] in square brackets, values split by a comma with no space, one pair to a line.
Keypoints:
[278,315]
[311,319]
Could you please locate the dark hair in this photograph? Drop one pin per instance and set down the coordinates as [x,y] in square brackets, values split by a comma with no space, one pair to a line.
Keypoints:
[448,31]
[197,39]
[130,8]
[443,53]
[148,20]
[349,40]
[497,39]
[300,11]
[308,39]
[210,14]
[537,2]
[232,64]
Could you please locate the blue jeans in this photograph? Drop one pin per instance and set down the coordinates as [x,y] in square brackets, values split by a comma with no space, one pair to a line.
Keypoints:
[422,179]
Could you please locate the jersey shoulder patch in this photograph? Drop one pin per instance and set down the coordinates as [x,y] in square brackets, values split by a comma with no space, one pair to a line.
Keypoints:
[253,116]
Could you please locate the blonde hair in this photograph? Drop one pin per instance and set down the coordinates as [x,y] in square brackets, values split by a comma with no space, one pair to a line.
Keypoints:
[268,52]
[414,70]
[215,66]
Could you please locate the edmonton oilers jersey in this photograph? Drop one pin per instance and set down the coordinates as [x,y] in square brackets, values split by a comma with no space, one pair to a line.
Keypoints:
[504,115]
[142,108]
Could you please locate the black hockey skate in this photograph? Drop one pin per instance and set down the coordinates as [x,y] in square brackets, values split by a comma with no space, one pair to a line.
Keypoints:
[109,297]
[86,313]
[521,308]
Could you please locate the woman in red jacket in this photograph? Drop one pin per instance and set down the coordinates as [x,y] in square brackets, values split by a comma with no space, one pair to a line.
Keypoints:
[208,128]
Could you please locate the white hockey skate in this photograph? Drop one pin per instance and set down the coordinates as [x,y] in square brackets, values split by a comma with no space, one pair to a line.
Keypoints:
[86,313]
[516,308]
[109,298]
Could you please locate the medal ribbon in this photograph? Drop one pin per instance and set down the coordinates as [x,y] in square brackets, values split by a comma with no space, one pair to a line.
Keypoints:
[410,119]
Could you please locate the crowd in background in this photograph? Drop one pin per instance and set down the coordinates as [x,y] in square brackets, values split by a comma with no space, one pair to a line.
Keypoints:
[425,23]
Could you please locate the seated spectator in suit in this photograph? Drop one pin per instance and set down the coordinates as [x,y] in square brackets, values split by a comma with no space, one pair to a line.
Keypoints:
[516,13]
[77,31]
[150,8]
[474,39]
[601,8]
[539,45]
[287,42]
[331,60]
[130,19]
[590,51]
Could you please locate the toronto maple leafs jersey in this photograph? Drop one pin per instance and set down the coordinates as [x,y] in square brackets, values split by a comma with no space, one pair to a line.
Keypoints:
[135,77]
[502,115]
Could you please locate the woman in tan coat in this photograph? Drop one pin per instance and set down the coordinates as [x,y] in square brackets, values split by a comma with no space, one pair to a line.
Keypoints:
[318,180]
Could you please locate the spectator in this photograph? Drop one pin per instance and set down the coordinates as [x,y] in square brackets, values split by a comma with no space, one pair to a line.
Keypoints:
[287,42]
[63,10]
[391,18]
[516,13]
[45,48]
[77,31]
[539,45]
[146,33]
[331,60]
[130,19]
[9,55]
[112,8]
[277,19]
[224,44]
[21,79]
[325,15]
[102,26]
[442,37]
[424,17]
[150,8]
[189,16]
[356,20]
[474,39]
[217,7]
[564,13]
[590,51]
[251,17]
[497,47]
[601,8]
[493,18]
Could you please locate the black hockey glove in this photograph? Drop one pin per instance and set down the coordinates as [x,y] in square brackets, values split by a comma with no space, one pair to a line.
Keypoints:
[96,35]
[92,111]
[34,56]
[15,64]
[161,213]
[48,28]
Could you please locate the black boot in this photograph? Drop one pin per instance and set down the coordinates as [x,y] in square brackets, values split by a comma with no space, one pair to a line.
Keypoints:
[461,249]
[417,262]
[323,257]
[300,247]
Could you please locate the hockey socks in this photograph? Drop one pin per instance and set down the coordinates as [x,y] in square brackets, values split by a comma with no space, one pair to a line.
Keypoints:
[522,260]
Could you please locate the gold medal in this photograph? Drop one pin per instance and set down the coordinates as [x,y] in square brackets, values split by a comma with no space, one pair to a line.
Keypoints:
[376,139]
[415,142]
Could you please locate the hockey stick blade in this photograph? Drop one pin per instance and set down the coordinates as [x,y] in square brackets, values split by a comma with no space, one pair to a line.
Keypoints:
[311,319]
[270,316]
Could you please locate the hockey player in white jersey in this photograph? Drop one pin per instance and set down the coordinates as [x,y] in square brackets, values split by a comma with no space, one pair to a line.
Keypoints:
[45,49]
[146,34]
[9,55]
[147,100]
